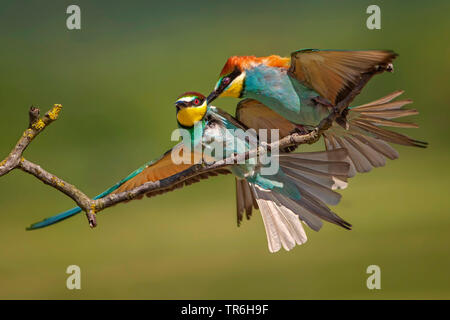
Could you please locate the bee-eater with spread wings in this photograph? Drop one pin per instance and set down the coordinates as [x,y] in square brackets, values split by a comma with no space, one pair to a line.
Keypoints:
[300,189]
[304,88]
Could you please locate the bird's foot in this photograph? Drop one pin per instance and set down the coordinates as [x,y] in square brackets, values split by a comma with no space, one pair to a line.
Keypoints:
[299,130]
[341,117]
[325,124]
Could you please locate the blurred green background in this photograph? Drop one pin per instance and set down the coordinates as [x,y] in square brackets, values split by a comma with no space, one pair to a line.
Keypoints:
[117,79]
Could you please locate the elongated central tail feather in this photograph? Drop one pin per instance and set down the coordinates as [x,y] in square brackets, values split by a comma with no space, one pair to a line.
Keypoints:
[72,212]
[366,140]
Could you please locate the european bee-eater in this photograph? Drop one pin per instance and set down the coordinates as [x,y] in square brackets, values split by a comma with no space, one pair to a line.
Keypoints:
[304,88]
[301,187]
[299,190]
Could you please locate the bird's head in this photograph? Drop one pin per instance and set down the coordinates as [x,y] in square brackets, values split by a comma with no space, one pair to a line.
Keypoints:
[231,80]
[191,108]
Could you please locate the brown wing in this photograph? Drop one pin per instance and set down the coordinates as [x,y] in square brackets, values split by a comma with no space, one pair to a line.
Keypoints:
[256,115]
[164,168]
[334,74]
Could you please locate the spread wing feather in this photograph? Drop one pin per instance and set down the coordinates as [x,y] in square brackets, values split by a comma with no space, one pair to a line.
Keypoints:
[367,138]
[333,73]
[164,168]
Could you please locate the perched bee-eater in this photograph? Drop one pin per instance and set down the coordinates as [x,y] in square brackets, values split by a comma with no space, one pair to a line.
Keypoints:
[303,89]
[300,189]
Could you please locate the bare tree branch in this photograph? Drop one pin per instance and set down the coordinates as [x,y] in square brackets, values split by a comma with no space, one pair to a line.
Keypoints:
[36,126]
[90,206]
[82,200]
[16,160]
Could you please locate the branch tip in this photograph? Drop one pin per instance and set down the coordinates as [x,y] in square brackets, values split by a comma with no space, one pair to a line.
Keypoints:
[54,112]
[91,219]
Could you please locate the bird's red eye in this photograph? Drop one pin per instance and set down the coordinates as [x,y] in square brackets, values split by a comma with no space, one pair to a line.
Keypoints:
[197,102]
[226,80]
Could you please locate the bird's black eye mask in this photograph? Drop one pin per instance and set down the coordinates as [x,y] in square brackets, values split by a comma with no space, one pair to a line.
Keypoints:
[223,83]
[226,80]
[196,102]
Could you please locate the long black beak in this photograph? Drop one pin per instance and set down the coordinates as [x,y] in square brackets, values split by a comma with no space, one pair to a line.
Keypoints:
[180,105]
[212,96]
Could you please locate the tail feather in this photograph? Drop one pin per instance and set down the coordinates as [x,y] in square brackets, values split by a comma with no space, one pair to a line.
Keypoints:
[71,212]
[316,187]
[310,219]
[334,155]
[282,214]
[388,123]
[57,218]
[319,168]
[331,144]
[389,136]
[239,201]
[283,228]
[328,181]
[384,106]
[388,114]
[335,159]
[366,140]
[380,146]
[245,200]
[375,159]
[324,193]
[362,164]
[383,100]
[314,205]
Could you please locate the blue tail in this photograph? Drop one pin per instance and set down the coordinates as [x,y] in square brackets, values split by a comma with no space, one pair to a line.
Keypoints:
[59,217]
[69,213]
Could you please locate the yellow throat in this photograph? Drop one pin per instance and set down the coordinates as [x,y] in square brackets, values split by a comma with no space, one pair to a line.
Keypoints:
[188,117]
[235,88]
